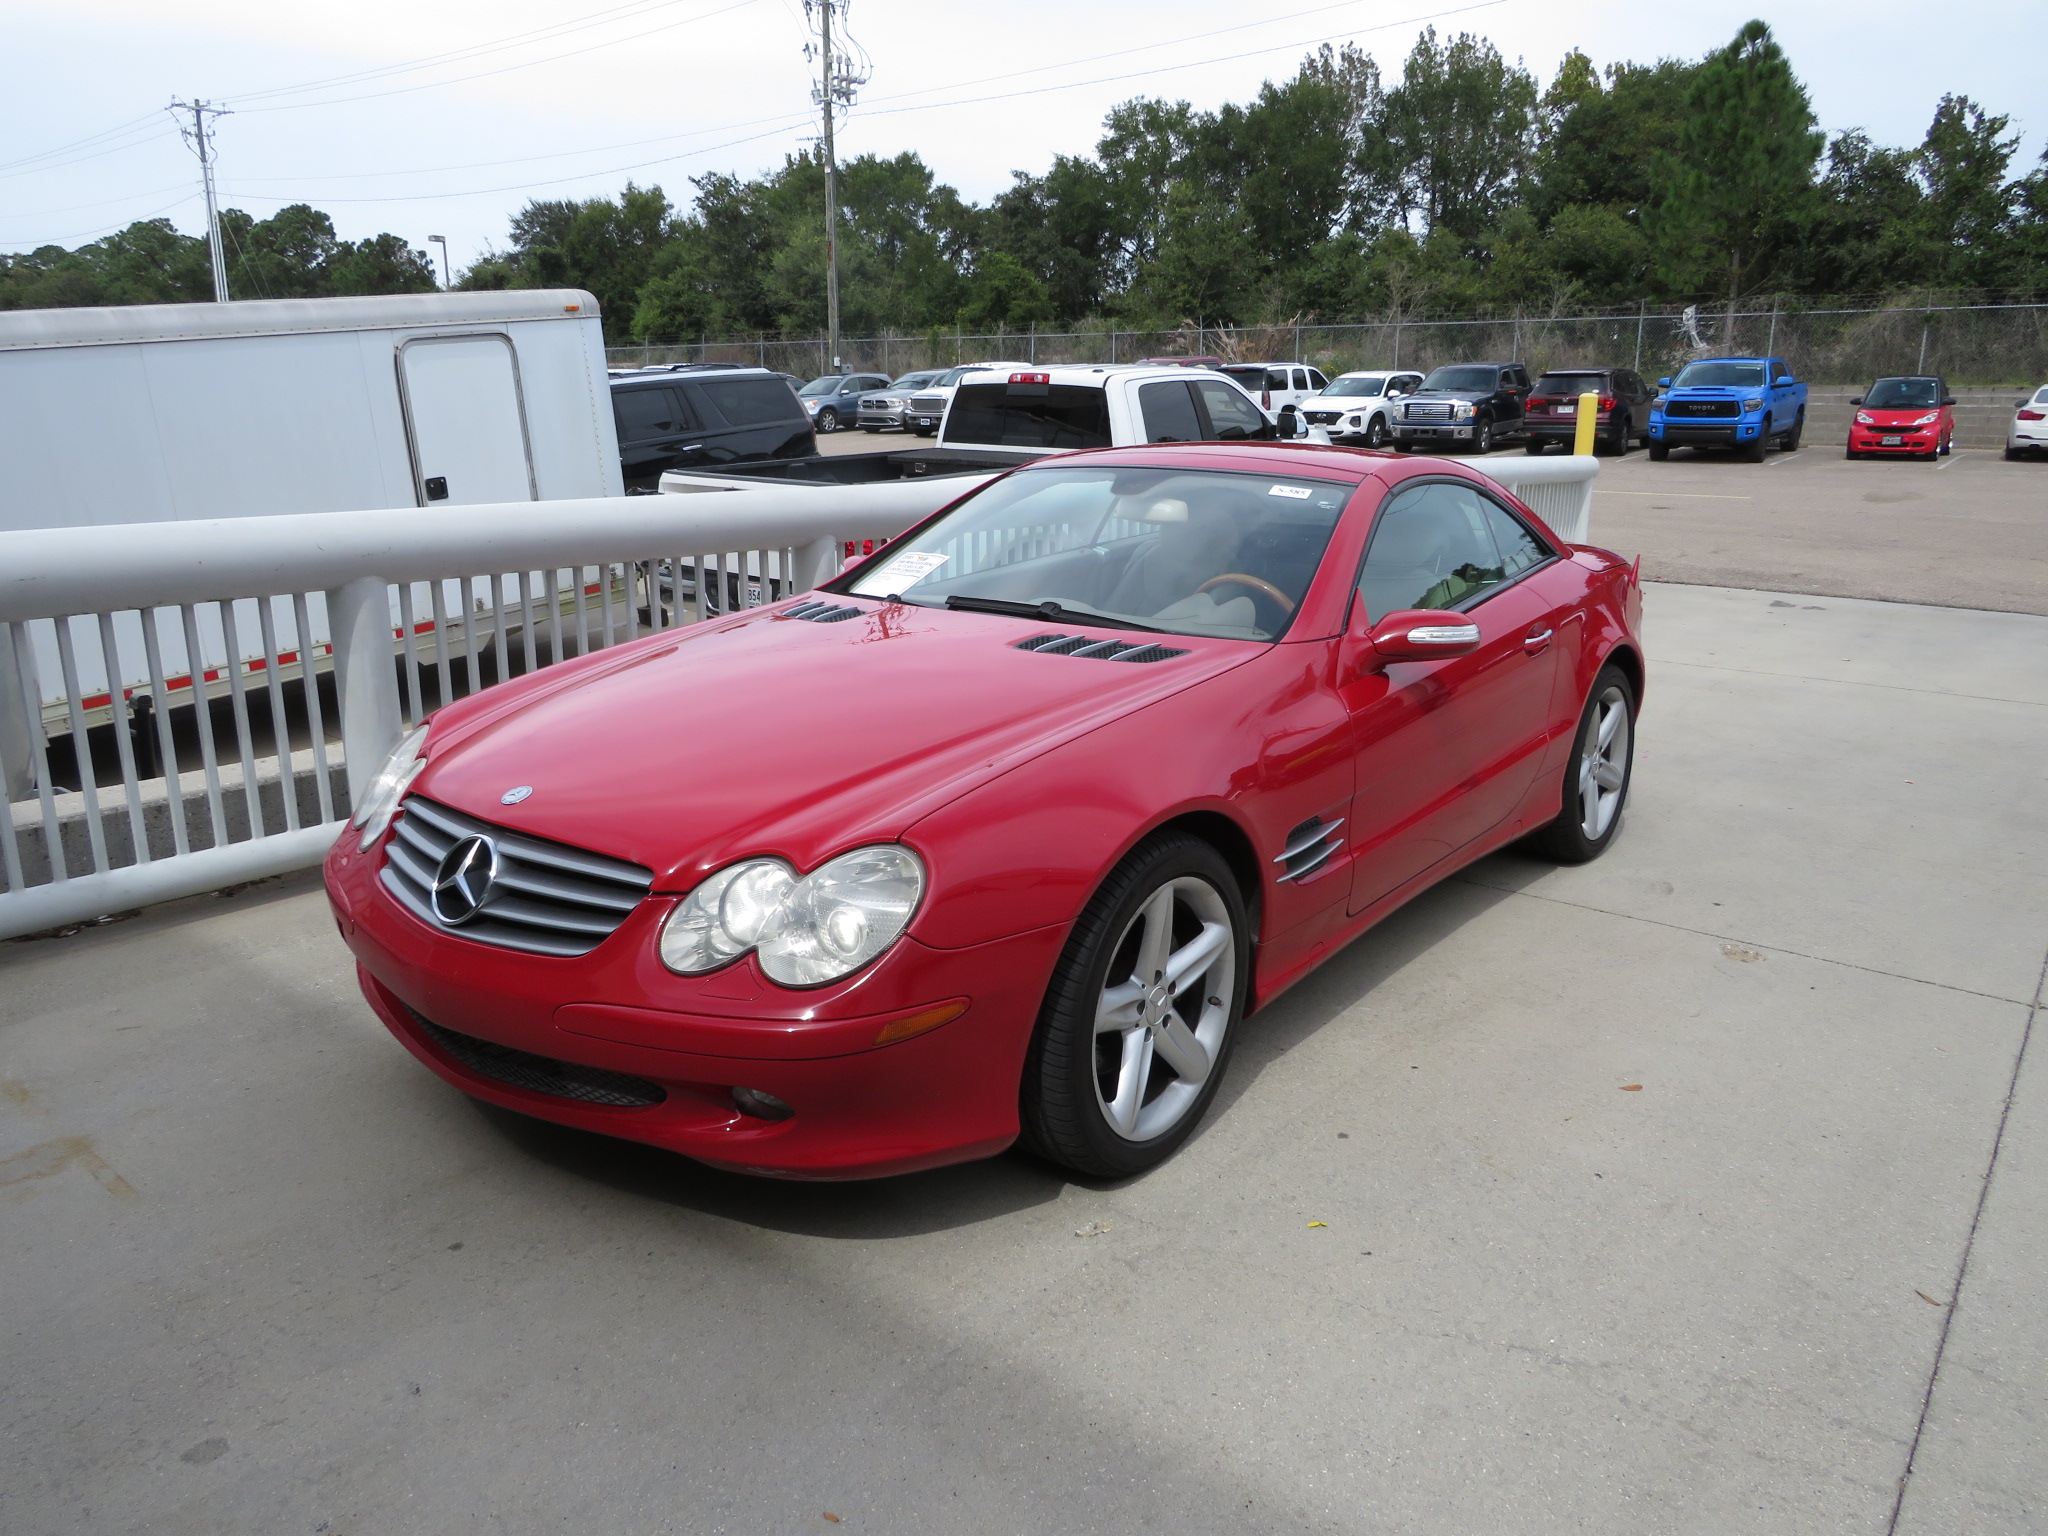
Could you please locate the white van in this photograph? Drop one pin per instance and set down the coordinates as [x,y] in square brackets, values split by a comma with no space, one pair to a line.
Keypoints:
[165,412]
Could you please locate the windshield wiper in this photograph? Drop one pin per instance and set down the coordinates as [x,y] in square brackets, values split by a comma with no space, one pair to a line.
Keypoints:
[1046,610]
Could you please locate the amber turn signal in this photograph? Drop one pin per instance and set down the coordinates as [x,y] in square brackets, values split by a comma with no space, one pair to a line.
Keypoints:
[920,1023]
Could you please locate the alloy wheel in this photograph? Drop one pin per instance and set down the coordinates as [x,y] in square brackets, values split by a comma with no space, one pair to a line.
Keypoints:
[1163,1012]
[1603,764]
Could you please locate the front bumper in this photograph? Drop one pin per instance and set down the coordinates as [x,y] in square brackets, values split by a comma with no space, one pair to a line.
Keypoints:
[862,1110]
[1906,442]
[869,417]
[1439,431]
[1704,434]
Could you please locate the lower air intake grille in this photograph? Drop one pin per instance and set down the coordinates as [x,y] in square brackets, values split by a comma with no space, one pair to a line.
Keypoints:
[543,1074]
[821,613]
[545,898]
[1098,650]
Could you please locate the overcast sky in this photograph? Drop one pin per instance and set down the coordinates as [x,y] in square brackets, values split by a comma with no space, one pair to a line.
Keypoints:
[569,98]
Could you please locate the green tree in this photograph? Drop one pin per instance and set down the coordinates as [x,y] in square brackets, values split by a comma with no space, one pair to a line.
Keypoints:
[1969,205]
[1739,170]
[1461,126]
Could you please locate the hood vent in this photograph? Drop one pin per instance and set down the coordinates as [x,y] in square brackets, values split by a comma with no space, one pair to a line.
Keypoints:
[1309,847]
[1098,650]
[821,613]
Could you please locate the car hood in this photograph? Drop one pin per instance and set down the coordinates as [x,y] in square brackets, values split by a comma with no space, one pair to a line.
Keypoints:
[1897,416]
[1470,395]
[763,734]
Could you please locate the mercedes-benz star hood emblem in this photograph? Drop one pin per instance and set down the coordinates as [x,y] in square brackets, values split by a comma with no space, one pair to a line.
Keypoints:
[462,882]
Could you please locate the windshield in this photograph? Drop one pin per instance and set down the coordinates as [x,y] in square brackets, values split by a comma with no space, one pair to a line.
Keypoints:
[1355,386]
[1721,376]
[825,386]
[1189,552]
[1482,379]
[914,381]
[1903,394]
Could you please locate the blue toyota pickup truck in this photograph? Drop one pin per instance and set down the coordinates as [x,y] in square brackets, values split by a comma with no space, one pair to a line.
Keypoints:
[1729,402]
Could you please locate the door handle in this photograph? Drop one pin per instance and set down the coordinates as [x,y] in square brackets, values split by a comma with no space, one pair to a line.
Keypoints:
[1536,640]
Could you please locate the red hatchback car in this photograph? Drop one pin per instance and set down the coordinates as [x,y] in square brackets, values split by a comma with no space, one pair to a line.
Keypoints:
[1032,807]
[1911,416]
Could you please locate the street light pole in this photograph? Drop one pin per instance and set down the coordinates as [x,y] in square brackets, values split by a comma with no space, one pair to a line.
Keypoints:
[442,241]
[837,81]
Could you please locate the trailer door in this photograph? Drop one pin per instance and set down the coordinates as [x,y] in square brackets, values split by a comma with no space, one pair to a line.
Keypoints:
[465,420]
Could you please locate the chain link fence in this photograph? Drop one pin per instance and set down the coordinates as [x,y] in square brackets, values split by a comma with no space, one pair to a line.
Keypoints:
[2003,344]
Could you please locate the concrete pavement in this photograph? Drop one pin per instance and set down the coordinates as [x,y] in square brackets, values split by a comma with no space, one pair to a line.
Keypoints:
[1646,1189]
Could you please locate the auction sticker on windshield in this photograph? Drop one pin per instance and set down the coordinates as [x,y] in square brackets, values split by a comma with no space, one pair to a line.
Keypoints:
[1298,492]
[900,574]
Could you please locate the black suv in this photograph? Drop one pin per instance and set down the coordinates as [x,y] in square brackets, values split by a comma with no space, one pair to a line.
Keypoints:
[1471,403]
[1552,412]
[703,418]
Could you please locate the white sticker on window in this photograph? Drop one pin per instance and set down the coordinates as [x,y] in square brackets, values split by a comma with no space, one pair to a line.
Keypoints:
[900,574]
[1292,492]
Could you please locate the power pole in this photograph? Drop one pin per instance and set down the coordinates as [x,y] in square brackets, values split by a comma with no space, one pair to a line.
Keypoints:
[200,137]
[837,81]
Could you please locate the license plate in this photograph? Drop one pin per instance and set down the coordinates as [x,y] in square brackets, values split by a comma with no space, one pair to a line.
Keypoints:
[1567,410]
[1890,442]
[924,421]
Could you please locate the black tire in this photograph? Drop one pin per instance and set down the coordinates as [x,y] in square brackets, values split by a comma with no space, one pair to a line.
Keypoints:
[1061,1100]
[1947,447]
[1404,445]
[1566,839]
[927,431]
[1376,432]
[866,428]
[1790,441]
[1753,452]
[1851,453]
[2012,455]
[828,420]
[1617,445]
[1659,452]
[1535,447]
[1482,438]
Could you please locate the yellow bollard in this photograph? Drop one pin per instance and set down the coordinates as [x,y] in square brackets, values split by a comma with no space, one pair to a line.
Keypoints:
[1589,423]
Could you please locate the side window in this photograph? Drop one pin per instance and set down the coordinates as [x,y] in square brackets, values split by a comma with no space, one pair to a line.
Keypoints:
[1410,382]
[1316,379]
[748,402]
[645,413]
[1301,378]
[1520,550]
[1169,412]
[1431,548]
[1276,378]
[1231,415]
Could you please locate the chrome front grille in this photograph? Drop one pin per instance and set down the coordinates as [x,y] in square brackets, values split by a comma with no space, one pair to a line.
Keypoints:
[1427,410]
[928,405]
[545,898]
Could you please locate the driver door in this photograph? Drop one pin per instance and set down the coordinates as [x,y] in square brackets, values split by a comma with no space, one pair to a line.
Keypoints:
[1444,751]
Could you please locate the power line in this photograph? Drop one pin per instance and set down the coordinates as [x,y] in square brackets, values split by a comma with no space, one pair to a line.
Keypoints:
[104,229]
[91,138]
[133,142]
[553,58]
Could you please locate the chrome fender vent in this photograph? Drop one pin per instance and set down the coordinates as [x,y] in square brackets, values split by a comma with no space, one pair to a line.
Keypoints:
[1309,847]
[1098,650]
[821,613]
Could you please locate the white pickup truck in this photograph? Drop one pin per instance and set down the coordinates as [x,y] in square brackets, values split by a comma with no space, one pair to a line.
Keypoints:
[1002,417]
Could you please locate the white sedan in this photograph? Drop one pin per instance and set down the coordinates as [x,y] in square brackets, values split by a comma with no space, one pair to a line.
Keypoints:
[2029,430]
[1355,408]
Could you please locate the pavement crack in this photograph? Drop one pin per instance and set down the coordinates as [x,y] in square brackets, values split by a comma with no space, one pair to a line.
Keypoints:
[1955,1295]
[1730,938]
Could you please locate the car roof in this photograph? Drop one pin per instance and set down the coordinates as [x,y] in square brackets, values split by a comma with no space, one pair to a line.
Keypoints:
[1349,464]
[669,376]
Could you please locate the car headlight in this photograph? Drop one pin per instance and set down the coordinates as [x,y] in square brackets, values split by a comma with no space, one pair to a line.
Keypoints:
[381,799]
[1753,405]
[805,930]
[1929,417]
[1462,411]
[1865,419]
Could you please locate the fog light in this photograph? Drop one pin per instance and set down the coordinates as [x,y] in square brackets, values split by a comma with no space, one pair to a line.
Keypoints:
[762,1106]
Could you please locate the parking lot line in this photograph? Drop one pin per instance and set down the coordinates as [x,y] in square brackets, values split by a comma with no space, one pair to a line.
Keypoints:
[1787,458]
[1953,455]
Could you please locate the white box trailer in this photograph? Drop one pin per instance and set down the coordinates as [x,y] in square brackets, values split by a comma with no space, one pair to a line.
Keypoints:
[176,412]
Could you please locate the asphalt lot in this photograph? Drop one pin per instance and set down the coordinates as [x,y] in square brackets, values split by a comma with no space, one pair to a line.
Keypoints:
[1698,1190]
[1968,531]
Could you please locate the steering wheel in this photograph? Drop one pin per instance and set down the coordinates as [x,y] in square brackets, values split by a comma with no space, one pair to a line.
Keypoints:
[1256,583]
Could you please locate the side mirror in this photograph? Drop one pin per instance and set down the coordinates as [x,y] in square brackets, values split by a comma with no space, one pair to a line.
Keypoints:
[1783,380]
[2019,405]
[1857,401]
[1663,383]
[1948,399]
[1423,634]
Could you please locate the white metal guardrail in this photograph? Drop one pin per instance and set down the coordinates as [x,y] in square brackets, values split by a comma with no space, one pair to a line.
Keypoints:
[193,660]
[169,691]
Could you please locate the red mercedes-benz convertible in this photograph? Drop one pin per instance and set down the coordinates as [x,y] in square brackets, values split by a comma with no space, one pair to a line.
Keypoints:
[1003,832]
